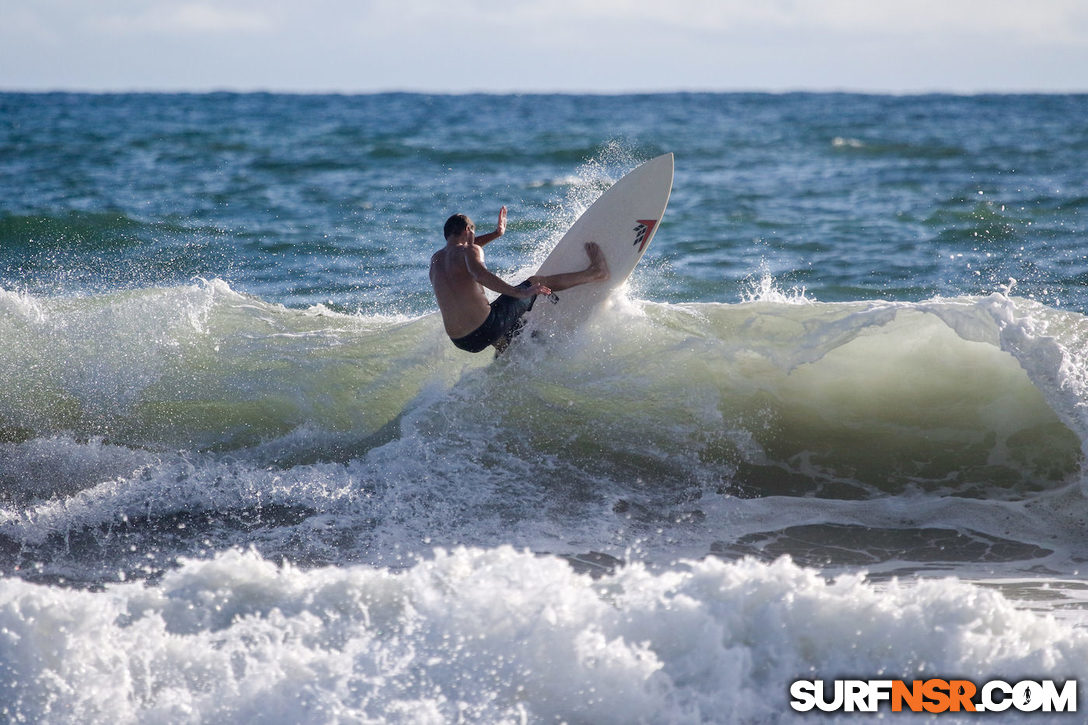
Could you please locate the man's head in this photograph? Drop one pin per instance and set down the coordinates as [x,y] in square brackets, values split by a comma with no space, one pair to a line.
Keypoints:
[457,224]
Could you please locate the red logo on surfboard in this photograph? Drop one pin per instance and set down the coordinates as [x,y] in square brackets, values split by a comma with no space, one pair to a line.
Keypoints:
[643,231]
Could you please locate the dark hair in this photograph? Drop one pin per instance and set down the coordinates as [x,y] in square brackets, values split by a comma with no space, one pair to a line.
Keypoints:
[456,224]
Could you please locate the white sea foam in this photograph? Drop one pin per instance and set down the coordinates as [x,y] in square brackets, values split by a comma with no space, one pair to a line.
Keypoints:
[494,636]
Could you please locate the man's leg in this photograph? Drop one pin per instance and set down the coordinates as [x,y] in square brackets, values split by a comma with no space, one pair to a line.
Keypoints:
[597,271]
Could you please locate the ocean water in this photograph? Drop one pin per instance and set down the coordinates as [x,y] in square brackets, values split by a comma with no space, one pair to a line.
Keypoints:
[834,426]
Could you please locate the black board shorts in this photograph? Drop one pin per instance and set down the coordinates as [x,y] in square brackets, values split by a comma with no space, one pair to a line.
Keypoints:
[504,322]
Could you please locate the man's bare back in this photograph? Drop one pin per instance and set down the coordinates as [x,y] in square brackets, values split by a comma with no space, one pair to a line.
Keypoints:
[459,275]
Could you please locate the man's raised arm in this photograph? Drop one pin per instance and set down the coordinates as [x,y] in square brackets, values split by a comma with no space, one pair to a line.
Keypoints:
[500,229]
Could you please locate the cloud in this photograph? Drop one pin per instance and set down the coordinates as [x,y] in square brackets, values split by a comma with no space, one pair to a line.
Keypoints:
[1038,22]
[545,44]
[189,18]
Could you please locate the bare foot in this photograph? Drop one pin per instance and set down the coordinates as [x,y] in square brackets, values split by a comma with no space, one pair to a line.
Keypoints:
[598,265]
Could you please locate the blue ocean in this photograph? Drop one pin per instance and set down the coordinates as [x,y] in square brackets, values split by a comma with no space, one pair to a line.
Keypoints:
[834,426]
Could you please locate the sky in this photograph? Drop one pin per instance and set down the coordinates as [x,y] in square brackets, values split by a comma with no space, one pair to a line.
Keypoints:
[502,46]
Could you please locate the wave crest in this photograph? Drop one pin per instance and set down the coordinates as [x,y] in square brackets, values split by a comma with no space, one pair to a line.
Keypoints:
[977,396]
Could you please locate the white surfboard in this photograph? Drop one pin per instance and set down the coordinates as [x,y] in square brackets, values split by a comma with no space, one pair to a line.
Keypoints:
[622,221]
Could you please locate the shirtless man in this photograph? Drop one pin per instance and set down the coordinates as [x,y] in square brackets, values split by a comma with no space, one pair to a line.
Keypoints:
[459,276]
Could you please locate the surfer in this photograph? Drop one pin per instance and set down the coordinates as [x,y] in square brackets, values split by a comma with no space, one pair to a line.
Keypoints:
[459,276]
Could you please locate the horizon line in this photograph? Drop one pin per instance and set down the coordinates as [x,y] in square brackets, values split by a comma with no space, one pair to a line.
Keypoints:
[256,90]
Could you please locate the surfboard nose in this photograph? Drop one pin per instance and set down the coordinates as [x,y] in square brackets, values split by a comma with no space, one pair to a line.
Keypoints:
[621,222]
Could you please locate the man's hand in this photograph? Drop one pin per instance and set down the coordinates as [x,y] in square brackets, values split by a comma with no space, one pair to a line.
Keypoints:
[500,229]
[537,289]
